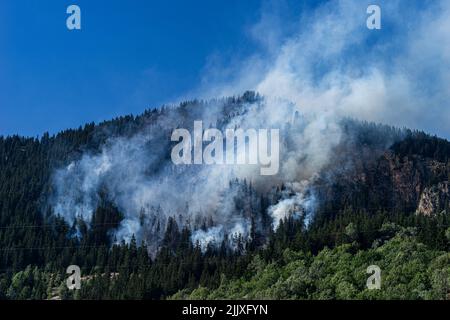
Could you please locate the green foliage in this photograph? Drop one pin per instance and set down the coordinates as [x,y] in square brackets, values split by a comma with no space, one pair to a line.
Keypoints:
[409,270]
[360,223]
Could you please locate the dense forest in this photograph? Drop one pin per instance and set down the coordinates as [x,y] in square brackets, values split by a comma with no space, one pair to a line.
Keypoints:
[388,208]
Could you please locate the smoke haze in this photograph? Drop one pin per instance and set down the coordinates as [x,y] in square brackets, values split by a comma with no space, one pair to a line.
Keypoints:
[309,79]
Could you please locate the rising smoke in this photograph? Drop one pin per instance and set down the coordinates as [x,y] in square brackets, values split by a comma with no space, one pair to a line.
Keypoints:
[136,175]
[309,80]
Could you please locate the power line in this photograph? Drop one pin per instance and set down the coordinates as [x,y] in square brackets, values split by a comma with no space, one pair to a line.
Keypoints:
[64,224]
[179,242]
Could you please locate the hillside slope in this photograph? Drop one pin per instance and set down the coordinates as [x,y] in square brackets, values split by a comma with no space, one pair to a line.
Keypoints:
[372,175]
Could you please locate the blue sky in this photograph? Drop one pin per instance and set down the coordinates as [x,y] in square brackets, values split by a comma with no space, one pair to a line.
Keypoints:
[132,55]
[129,55]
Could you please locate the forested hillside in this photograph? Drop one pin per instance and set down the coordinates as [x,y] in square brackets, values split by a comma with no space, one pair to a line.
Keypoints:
[383,200]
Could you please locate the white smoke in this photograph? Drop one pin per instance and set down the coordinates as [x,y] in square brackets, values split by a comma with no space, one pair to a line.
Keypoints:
[298,201]
[323,71]
[330,62]
[213,236]
[135,174]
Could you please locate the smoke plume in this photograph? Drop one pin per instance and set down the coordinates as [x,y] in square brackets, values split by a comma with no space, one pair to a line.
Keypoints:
[136,175]
[330,67]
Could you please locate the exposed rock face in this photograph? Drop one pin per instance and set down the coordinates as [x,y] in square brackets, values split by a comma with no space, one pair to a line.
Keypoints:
[434,199]
[405,178]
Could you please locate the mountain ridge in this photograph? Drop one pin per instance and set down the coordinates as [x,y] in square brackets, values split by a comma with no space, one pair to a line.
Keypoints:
[377,174]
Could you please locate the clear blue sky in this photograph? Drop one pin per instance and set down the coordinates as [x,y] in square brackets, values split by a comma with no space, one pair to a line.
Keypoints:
[129,55]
